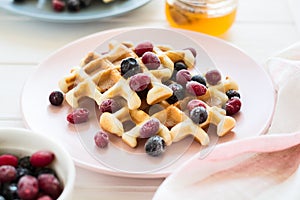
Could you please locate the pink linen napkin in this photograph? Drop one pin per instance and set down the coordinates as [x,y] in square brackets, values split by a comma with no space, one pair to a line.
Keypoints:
[262,167]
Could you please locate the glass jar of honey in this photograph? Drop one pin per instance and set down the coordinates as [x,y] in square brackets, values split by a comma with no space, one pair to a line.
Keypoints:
[212,17]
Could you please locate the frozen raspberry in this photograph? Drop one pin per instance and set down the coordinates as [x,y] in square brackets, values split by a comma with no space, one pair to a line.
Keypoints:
[143,47]
[139,82]
[58,5]
[50,185]
[8,159]
[109,105]
[149,128]
[79,115]
[44,197]
[151,60]
[183,76]
[213,77]
[195,88]
[28,187]
[195,103]
[41,158]
[101,139]
[7,173]
[233,106]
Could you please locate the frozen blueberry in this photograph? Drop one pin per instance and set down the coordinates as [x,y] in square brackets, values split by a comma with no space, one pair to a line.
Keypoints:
[56,98]
[155,146]
[129,67]
[198,115]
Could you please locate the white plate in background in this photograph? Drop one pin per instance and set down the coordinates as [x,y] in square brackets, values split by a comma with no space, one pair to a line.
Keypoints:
[96,11]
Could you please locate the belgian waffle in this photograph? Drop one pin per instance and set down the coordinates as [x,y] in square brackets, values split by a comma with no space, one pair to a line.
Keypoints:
[99,78]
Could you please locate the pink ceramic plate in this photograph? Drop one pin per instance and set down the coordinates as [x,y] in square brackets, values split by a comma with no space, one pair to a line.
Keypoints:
[256,89]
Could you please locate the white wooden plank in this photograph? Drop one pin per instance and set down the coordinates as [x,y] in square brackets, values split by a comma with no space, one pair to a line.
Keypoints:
[12,79]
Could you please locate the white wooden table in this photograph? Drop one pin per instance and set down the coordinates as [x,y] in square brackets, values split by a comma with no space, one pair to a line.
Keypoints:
[262,28]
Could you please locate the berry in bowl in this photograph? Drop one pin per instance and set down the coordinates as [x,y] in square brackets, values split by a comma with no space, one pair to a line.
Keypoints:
[34,167]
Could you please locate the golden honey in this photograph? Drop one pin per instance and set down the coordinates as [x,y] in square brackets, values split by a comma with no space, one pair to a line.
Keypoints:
[212,17]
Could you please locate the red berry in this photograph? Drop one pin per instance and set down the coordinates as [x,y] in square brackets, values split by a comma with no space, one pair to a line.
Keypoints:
[195,103]
[50,185]
[213,77]
[28,187]
[141,48]
[150,128]
[233,106]
[109,105]
[7,173]
[8,159]
[139,82]
[79,115]
[58,5]
[195,88]
[44,197]
[151,60]
[183,76]
[193,51]
[101,139]
[41,158]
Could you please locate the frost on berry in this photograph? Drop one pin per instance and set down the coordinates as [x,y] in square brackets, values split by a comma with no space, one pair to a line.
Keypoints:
[79,115]
[50,185]
[101,139]
[143,47]
[149,128]
[139,82]
[7,173]
[28,187]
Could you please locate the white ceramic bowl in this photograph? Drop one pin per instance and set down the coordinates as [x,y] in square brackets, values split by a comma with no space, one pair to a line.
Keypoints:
[23,142]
